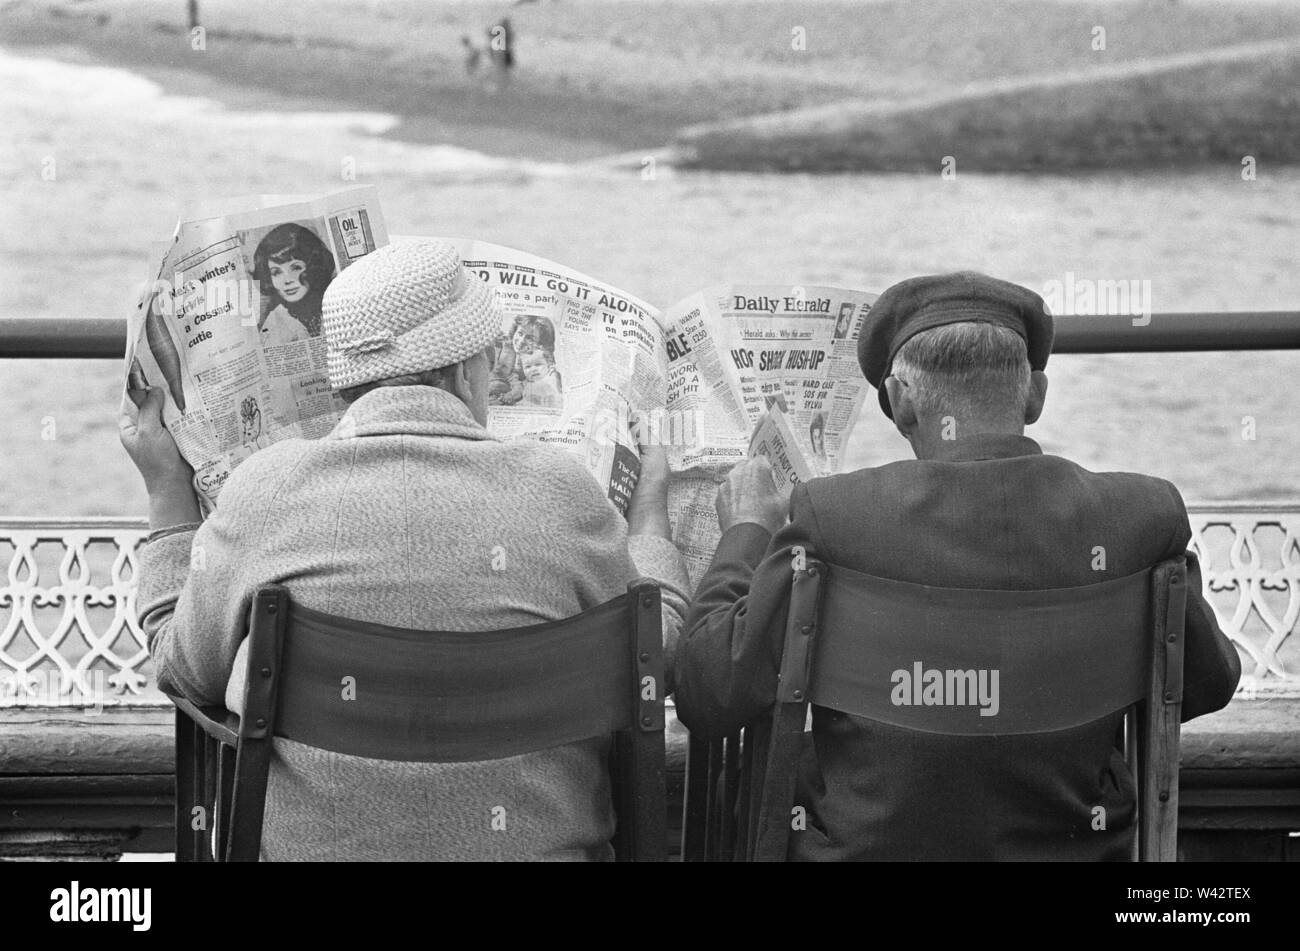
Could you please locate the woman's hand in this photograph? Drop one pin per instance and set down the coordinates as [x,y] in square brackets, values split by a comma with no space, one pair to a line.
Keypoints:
[153,450]
[147,441]
[654,471]
[647,512]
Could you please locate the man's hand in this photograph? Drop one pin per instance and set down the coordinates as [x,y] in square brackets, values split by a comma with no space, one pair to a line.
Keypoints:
[750,495]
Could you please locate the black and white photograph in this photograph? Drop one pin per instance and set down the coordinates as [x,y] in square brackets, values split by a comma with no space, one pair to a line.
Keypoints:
[523,372]
[383,381]
[292,268]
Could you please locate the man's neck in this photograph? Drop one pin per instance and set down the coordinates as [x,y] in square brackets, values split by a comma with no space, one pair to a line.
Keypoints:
[933,438]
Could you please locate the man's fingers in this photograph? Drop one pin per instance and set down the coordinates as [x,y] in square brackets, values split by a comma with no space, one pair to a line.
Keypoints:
[753,472]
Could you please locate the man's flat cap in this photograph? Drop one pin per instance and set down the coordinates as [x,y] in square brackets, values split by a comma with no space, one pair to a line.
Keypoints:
[922,303]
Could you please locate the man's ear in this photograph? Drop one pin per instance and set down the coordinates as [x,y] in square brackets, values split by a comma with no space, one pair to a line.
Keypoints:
[900,404]
[469,382]
[1037,396]
[458,380]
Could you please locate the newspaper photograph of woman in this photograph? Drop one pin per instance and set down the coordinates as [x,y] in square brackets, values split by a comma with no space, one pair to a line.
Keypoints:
[843,321]
[817,435]
[292,268]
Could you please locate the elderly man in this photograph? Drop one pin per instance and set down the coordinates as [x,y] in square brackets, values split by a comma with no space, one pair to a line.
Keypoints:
[958,362]
[409,514]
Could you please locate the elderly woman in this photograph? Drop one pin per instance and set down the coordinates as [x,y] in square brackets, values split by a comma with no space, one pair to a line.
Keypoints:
[410,514]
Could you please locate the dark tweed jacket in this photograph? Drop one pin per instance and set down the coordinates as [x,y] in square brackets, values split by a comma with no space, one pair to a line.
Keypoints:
[994,512]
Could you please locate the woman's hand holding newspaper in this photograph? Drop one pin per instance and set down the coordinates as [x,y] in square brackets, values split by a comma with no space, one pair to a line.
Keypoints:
[647,512]
[167,476]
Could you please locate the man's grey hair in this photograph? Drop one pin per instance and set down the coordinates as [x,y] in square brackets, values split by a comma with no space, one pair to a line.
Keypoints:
[438,378]
[967,369]
[441,378]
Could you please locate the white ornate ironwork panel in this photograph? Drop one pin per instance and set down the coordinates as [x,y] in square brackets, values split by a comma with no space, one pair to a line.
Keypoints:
[69,637]
[1250,569]
[68,632]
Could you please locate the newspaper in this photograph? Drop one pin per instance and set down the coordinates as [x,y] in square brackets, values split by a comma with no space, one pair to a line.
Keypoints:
[588,367]
[773,440]
[230,326]
[769,368]
[578,364]
[230,323]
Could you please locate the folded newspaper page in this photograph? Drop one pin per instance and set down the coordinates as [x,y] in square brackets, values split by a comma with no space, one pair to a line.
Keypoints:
[230,326]
[579,364]
[736,352]
[774,441]
[230,323]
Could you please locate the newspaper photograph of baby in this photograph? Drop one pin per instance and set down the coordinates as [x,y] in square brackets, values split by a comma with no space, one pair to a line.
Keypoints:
[524,372]
[577,363]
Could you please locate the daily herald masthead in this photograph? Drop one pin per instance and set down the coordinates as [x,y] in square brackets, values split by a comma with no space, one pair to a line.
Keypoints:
[790,304]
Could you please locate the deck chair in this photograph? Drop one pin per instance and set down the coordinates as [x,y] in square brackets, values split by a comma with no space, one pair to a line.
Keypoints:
[740,790]
[446,698]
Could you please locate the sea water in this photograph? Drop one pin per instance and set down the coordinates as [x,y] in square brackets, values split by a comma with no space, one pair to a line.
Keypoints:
[97,161]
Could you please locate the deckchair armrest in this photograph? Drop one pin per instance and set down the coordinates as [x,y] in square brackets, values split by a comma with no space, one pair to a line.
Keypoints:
[217,722]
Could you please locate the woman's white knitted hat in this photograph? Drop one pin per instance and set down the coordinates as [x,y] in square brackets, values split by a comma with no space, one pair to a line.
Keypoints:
[405,308]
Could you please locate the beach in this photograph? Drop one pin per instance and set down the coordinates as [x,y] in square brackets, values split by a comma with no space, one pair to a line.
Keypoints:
[596,76]
[133,138]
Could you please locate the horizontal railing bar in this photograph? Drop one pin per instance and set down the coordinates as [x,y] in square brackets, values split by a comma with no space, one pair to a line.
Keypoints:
[1178,332]
[90,338]
[63,338]
[103,523]
[1239,507]
[88,523]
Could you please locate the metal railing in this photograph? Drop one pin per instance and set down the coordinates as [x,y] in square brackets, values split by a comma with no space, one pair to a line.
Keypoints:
[87,338]
[69,635]
[67,595]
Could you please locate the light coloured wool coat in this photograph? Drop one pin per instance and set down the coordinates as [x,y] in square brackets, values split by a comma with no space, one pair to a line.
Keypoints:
[396,518]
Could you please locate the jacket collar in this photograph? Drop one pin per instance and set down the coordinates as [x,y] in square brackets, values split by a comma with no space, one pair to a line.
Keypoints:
[987,446]
[408,410]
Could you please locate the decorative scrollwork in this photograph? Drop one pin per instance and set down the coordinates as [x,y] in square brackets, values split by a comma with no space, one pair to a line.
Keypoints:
[69,636]
[68,631]
[1250,567]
